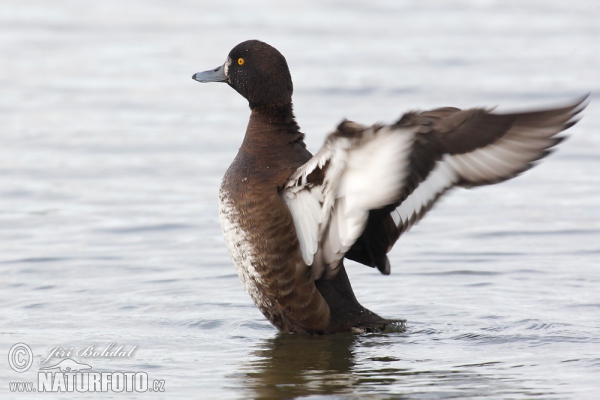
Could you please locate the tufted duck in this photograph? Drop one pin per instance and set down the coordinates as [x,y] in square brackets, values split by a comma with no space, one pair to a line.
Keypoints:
[290,218]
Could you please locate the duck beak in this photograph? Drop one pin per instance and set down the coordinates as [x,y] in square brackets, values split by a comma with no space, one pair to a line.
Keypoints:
[213,75]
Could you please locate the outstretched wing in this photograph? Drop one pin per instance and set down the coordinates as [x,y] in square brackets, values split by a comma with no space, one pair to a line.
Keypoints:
[447,147]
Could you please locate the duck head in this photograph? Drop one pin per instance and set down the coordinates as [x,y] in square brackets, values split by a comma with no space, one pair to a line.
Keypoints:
[257,71]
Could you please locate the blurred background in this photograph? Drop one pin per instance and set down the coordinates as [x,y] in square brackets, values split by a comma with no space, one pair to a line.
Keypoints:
[111,159]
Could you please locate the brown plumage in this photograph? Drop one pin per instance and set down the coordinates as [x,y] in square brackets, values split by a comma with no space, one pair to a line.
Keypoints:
[290,218]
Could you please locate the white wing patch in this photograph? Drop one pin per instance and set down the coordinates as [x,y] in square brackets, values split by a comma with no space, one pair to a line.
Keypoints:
[504,158]
[440,179]
[360,173]
[501,160]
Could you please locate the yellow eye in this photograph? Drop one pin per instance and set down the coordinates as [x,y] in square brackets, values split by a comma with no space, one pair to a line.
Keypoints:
[240,61]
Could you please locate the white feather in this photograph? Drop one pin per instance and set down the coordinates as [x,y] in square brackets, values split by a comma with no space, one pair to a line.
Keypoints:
[363,173]
[305,207]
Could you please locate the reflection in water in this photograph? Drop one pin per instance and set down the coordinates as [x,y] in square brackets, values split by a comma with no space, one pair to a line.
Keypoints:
[291,366]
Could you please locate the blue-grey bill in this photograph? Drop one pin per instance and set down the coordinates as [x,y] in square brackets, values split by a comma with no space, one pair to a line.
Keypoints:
[213,75]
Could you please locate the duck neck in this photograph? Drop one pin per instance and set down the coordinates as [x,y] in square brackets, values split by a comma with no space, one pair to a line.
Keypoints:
[271,125]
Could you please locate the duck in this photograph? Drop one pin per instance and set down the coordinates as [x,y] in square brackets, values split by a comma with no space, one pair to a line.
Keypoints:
[291,218]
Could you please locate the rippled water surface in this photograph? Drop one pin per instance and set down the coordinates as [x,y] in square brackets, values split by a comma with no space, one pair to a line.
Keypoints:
[111,157]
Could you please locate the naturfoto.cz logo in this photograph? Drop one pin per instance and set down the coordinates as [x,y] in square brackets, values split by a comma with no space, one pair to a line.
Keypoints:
[69,375]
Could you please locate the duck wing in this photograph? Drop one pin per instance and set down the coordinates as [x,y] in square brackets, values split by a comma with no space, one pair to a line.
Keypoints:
[369,185]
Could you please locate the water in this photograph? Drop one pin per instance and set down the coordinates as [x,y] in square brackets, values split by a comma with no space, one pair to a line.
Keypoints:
[111,157]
